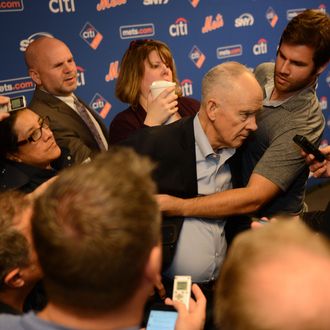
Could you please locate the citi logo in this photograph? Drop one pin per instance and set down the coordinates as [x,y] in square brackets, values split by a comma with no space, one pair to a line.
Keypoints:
[197,56]
[211,24]
[113,71]
[107,4]
[324,102]
[260,47]
[80,76]
[186,87]
[245,19]
[155,2]
[322,9]
[180,28]
[11,5]
[101,105]
[271,17]
[25,42]
[91,35]
[61,6]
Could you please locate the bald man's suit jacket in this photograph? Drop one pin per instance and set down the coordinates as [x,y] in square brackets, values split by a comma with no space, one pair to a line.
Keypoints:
[69,129]
[172,147]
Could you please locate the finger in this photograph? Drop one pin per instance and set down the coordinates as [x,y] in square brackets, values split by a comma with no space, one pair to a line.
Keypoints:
[199,295]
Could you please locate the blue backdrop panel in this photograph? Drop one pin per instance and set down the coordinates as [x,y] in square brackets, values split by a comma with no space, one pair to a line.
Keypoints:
[200,33]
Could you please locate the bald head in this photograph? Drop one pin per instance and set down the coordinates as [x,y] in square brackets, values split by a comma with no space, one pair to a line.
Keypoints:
[226,119]
[51,66]
[275,278]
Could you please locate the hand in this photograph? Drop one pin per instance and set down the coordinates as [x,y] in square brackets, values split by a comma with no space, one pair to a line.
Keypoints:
[4,100]
[193,319]
[319,169]
[160,109]
[170,205]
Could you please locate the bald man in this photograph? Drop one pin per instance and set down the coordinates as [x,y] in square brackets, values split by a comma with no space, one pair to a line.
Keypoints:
[276,277]
[75,126]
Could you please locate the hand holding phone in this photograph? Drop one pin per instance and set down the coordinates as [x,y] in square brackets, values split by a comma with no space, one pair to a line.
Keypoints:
[15,103]
[308,147]
[182,289]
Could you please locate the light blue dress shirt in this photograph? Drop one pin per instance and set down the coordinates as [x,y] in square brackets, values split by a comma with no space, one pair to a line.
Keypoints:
[202,246]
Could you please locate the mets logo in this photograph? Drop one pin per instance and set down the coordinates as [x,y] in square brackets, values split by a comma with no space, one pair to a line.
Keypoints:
[11,5]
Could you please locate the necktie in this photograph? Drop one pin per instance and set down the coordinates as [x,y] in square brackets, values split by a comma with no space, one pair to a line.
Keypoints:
[81,109]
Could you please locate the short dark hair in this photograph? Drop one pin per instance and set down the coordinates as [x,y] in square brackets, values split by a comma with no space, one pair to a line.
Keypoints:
[14,247]
[94,229]
[8,136]
[310,28]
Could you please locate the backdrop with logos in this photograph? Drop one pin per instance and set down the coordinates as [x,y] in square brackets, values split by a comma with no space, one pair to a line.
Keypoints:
[200,33]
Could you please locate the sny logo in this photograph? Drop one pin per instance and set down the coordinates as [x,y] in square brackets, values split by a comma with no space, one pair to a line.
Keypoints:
[260,47]
[197,57]
[11,5]
[25,42]
[91,35]
[211,24]
[101,105]
[80,76]
[245,19]
[60,6]
[113,71]
[271,16]
[186,87]
[180,28]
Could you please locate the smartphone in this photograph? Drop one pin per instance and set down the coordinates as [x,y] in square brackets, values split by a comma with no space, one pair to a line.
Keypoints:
[308,147]
[15,103]
[162,317]
[182,289]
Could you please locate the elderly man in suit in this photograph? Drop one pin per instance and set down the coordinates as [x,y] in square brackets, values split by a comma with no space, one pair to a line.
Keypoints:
[75,126]
[195,157]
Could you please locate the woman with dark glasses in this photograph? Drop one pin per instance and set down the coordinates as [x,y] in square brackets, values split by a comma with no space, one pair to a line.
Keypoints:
[29,154]
[144,62]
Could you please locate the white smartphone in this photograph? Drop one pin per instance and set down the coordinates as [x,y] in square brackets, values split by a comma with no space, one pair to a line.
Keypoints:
[162,317]
[15,103]
[182,289]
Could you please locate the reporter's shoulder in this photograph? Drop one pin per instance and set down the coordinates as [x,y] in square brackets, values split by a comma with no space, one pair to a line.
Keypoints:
[10,322]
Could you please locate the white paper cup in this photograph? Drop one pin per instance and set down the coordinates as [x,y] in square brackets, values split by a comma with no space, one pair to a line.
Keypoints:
[159,86]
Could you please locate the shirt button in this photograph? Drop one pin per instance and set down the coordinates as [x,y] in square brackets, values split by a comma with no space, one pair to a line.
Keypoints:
[217,254]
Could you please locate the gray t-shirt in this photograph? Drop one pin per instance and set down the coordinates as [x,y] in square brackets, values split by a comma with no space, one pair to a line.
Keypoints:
[270,151]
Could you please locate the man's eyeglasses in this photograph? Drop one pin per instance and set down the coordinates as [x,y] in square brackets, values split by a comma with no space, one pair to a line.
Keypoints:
[37,133]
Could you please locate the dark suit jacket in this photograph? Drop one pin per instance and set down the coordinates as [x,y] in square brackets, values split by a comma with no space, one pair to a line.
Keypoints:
[172,147]
[69,129]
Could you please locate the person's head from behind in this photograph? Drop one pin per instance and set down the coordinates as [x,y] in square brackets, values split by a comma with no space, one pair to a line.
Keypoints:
[304,51]
[19,267]
[226,118]
[51,66]
[97,233]
[27,138]
[275,278]
[144,62]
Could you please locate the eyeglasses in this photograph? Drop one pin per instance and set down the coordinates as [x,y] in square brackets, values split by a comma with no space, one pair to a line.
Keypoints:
[137,43]
[37,133]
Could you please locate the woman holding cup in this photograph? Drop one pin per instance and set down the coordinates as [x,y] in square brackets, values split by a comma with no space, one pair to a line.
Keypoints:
[147,67]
